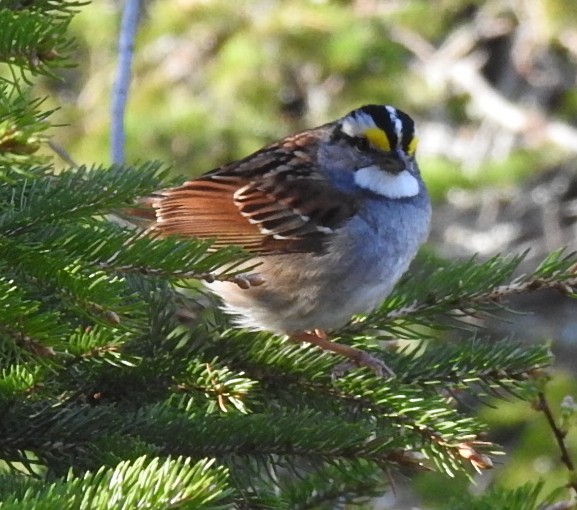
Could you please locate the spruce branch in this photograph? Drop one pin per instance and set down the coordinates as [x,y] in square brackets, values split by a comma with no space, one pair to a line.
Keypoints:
[265,435]
[465,366]
[562,284]
[34,42]
[26,326]
[428,422]
[22,128]
[462,290]
[143,482]
[225,389]
[74,289]
[470,365]
[75,194]
[98,344]
[116,251]
[419,416]
[351,482]
[243,280]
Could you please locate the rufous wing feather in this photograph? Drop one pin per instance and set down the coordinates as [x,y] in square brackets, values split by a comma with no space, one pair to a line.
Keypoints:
[205,208]
[275,200]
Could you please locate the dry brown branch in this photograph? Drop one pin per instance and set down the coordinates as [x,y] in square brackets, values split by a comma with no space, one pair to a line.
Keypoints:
[62,153]
[561,505]
[543,405]
[455,65]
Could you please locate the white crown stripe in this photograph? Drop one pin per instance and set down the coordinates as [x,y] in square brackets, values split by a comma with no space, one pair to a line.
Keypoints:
[398,123]
[357,124]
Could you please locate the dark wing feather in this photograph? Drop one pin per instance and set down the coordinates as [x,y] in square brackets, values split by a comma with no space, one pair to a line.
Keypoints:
[271,201]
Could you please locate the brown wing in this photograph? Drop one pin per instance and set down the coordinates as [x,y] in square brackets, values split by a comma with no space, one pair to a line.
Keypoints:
[271,201]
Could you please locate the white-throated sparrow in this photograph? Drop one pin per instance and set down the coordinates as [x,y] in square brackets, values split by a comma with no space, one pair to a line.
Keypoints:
[333,215]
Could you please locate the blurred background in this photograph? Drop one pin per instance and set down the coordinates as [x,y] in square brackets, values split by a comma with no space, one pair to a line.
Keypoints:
[491,84]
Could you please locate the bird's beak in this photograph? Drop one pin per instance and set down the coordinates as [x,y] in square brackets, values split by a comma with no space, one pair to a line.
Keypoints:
[394,161]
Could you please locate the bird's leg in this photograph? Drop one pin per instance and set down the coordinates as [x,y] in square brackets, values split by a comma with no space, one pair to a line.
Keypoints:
[356,356]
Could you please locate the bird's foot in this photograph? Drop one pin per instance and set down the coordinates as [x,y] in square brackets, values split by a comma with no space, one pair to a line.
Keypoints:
[357,357]
[379,367]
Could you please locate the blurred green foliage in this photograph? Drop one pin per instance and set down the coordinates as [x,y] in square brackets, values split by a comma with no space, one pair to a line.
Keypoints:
[215,80]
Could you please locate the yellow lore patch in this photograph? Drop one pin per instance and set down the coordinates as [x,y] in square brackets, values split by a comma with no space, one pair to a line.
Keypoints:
[378,138]
[413,146]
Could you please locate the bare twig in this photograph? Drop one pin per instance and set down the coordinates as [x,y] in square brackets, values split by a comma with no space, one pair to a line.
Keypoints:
[531,121]
[62,153]
[127,34]
[543,406]
[561,505]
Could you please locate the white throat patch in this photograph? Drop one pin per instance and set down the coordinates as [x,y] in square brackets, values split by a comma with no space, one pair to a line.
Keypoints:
[401,185]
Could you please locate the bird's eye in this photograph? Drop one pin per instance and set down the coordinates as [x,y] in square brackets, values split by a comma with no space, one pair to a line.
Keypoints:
[362,144]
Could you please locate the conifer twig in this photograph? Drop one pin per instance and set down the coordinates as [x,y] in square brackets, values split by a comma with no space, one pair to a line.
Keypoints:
[543,405]
[126,37]
[243,280]
[470,449]
[494,295]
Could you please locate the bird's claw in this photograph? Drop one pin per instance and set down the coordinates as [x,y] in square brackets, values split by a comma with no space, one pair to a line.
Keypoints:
[363,359]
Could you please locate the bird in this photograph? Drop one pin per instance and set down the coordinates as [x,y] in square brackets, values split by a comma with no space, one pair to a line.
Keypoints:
[332,217]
